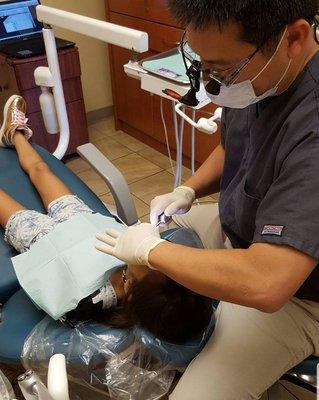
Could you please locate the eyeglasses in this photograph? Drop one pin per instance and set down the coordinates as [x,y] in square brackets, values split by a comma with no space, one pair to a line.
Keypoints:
[194,59]
[315,27]
[235,71]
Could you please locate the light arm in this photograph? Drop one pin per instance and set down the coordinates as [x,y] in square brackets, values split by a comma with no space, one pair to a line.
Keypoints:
[58,93]
[105,31]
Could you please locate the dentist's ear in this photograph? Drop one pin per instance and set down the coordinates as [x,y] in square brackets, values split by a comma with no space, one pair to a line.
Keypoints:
[298,34]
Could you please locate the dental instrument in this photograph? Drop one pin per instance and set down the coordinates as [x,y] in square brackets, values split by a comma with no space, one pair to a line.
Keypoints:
[32,387]
[163,220]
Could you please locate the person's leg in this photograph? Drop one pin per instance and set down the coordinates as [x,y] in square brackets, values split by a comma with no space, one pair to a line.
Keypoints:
[15,132]
[249,351]
[49,186]
[57,198]
[8,207]
[22,227]
[204,220]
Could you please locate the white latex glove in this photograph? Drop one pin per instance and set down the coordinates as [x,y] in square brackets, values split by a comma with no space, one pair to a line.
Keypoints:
[179,201]
[133,245]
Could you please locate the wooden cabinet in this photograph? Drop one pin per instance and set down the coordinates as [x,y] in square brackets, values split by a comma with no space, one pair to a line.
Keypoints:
[150,10]
[17,77]
[138,112]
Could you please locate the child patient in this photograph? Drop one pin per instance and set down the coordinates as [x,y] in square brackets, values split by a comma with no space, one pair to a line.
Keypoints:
[133,295]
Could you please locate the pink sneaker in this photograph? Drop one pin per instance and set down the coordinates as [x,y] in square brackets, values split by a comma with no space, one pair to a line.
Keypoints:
[14,119]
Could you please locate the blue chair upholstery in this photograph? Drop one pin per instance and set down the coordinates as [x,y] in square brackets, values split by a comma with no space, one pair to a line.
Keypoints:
[19,316]
[15,182]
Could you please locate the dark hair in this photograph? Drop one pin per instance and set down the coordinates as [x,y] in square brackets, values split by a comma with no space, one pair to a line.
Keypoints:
[261,21]
[167,309]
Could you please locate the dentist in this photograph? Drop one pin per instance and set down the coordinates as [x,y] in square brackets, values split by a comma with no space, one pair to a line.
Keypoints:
[260,61]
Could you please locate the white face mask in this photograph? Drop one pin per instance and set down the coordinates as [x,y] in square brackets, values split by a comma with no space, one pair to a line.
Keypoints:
[242,95]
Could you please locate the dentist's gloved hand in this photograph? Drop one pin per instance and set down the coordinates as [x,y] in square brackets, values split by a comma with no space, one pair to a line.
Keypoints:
[133,245]
[179,201]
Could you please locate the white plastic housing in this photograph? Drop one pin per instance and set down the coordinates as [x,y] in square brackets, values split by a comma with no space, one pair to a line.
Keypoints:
[43,77]
[48,109]
[105,31]
[134,70]
[58,386]
[205,125]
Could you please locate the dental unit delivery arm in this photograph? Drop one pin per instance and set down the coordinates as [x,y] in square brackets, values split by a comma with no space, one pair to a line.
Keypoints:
[114,180]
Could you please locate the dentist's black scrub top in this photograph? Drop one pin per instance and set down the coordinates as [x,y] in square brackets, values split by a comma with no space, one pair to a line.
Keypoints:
[270,182]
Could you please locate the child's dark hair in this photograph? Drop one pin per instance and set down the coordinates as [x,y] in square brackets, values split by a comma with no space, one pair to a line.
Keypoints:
[167,309]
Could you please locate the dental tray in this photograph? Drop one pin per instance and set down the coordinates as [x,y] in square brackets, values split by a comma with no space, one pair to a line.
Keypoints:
[168,65]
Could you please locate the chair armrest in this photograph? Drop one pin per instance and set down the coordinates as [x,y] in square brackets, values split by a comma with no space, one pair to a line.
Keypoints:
[114,180]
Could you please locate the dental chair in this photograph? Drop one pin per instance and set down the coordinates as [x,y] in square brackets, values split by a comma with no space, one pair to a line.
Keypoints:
[18,314]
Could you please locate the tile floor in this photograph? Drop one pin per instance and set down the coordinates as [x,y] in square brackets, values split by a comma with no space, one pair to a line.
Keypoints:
[147,171]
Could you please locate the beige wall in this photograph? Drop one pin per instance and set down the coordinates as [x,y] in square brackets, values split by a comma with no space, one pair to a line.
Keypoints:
[96,78]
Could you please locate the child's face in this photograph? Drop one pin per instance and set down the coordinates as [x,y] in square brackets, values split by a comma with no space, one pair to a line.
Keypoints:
[135,273]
